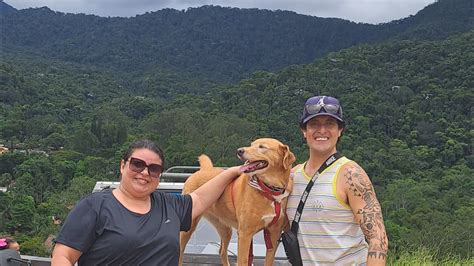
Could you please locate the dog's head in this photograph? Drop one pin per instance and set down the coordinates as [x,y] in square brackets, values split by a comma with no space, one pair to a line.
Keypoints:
[268,159]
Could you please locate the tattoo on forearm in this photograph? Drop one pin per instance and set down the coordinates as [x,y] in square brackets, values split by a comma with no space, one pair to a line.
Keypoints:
[377,255]
[371,220]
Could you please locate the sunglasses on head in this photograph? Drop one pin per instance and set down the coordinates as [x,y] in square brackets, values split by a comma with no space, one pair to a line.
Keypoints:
[329,108]
[138,165]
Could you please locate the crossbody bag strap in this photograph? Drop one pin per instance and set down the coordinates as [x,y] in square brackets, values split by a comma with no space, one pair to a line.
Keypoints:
[304,197]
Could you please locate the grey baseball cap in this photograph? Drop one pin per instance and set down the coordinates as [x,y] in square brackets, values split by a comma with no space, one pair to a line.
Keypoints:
[321,105]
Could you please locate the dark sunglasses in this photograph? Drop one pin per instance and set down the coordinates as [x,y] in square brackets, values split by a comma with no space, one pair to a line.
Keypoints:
[329,108]
[137,165]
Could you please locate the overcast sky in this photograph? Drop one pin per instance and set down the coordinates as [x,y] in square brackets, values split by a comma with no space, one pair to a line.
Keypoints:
[368,11]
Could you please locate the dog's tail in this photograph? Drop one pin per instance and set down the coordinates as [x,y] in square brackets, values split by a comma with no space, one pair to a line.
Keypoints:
[205,162]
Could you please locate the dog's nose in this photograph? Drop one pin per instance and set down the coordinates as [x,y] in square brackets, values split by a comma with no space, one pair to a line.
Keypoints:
[240,151]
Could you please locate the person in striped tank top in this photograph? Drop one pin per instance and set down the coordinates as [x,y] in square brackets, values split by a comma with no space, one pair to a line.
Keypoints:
[342,222]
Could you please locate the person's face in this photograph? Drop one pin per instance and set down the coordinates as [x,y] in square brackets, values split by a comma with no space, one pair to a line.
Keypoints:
[321,134]
[140,184]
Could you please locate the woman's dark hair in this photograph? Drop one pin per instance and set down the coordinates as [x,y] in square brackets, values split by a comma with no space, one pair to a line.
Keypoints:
[144,144]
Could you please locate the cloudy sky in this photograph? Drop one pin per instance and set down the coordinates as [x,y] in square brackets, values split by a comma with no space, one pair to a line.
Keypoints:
[368,11]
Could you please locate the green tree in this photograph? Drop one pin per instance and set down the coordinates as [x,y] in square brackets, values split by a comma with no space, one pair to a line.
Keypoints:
[18,213]
[54,141]
[35,177]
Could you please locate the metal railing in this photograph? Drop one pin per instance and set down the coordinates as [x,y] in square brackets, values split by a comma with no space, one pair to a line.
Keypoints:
[178,174]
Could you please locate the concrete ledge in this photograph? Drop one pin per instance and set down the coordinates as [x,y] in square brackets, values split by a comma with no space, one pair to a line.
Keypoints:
[189,259]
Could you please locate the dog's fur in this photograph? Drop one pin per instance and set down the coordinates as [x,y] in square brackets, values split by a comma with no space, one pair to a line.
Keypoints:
[244,207]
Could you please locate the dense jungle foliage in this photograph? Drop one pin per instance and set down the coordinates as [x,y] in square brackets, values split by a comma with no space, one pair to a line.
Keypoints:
[67,116]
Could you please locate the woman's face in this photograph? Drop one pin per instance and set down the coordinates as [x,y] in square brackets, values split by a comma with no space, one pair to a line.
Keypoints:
[140,183]
[321,134]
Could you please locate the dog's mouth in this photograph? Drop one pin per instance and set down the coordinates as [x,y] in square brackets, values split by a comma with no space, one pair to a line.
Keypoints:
[249,166]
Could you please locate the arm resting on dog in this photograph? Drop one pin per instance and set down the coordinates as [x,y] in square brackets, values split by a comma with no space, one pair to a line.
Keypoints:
[366,208]
[207,194]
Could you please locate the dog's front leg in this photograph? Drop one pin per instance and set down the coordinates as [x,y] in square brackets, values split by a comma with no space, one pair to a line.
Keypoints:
[275,233]
[243,249]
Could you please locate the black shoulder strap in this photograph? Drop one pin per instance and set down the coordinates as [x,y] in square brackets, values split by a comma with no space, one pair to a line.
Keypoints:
[304,197]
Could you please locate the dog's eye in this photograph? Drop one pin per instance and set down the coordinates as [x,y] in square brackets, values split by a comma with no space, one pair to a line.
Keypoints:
[261,146]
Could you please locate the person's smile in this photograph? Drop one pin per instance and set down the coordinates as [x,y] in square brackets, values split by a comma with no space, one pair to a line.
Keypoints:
[141,181]
[321,138]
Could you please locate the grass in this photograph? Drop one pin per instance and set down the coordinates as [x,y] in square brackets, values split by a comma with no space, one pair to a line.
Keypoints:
[428,258]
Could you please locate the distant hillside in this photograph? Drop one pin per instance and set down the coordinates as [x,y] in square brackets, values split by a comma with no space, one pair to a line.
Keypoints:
[434,22]
[211,42]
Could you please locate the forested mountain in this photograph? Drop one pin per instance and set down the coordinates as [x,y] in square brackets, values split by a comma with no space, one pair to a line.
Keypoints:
[434,22]
[218,43]
[408,102]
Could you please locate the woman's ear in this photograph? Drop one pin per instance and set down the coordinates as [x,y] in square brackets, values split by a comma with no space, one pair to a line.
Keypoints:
[122,165]
[304,132]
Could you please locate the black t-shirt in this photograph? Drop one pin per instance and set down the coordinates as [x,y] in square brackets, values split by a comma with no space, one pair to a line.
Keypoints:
[107,233]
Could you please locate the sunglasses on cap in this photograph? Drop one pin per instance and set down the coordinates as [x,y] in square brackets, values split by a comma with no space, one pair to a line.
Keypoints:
[334,109]
[138,165]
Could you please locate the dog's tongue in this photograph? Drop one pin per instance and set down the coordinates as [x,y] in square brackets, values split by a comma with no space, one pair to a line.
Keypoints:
[249,167]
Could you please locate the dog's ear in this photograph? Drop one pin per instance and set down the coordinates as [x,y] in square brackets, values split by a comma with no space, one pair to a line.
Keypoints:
[289,157]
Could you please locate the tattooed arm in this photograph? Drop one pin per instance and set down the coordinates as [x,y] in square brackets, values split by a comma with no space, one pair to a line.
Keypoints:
[366,208]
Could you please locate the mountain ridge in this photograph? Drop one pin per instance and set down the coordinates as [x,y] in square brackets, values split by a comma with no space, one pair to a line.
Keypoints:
[222,44]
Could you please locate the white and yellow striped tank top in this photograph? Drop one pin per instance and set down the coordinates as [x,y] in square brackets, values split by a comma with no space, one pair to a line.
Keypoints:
[328,232]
